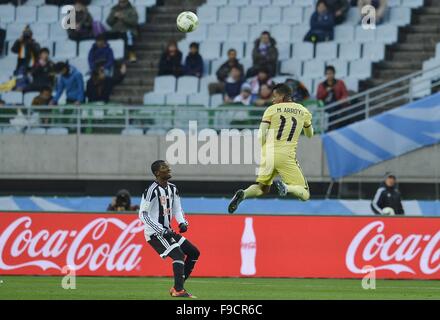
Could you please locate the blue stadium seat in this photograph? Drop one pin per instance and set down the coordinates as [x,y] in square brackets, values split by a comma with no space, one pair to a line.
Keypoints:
[7,13]
[250,15]
[117,47]
[14,30]
[95,12]
[284,50]
[360,69]
[132,132]
[364,35]
[36,131]
[387,34]
[65,50]
[228,15]
[303,51]
[28,97]
[56,33]
[292,66]
[187,85]
[281,33]
[350,51]
[165,84]
[40,31]
[48,14]
[373,51]
[299,32]
[216,100]
[84,48]
[282,3]
[400,16]
[198,35]
[293,15]
[341,67]
[344,34]
[219,32]
[238,3]
[199,99]
[207,14]
[210,50]
[271,15]
[256,30]
[153,98]
[326,50]
[237,45]
[57,131]
[313,69]
[176,99]
[260,3]
[238,32]
[13,97]
[218,3]
[25,14]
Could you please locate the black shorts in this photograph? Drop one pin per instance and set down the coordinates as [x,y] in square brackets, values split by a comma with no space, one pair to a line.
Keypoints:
[164,246]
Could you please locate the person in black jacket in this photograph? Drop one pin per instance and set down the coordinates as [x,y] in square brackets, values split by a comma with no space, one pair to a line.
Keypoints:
[171,61]
[322,23]
[99,86]
[224,71]
[27,50]
[43,74]
[194,61]
[387,196]
[339,8]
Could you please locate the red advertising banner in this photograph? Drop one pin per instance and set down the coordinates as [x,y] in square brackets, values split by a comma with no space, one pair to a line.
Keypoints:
[231,246]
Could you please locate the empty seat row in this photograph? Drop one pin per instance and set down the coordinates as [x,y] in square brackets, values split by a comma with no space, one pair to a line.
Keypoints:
[298,3]
[10,130]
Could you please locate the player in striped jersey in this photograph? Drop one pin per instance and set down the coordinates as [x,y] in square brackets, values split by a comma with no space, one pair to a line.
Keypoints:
[160,203]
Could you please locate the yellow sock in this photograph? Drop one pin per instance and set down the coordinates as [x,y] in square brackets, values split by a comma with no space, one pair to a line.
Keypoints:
[299,192]
[253,191]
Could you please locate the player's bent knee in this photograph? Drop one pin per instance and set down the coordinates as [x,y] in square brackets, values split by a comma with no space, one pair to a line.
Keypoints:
[177,254]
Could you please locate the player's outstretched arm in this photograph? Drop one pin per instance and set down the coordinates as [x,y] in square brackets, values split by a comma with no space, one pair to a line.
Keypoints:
[308,130]
[262,132]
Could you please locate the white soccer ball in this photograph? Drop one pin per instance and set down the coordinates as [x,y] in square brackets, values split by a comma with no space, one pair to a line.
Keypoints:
[187,21]
[387,211]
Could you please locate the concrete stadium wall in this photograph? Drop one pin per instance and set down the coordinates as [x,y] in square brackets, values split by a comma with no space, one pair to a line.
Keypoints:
[128,157]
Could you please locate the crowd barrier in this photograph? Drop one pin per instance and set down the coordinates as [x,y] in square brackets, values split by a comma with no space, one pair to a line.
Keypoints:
[231,246]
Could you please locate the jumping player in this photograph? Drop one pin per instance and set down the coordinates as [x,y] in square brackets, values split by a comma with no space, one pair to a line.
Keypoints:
[279,132]
[160,203]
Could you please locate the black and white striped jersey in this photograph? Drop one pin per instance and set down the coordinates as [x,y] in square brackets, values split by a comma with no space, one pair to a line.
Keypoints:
[158,207]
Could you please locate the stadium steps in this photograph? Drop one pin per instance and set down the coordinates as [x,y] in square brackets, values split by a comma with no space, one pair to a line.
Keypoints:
[416,43]
[154,36]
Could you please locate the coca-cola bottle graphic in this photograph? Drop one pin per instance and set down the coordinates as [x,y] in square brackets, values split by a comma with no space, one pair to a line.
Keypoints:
[248,249]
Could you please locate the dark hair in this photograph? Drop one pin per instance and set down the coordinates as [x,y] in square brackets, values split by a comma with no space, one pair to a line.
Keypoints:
[194,45]
[321,1]
[264,70]
[44,50]
[232,49]
[45,88]
[265,32]
[155,166]
[100,37]
[283,89]
[330,68]
[59,66]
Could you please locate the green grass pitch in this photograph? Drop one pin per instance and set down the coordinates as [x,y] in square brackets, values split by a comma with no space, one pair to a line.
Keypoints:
[103,288]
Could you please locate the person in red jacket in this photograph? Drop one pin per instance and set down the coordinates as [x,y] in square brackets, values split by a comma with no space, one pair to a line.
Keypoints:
[332,90]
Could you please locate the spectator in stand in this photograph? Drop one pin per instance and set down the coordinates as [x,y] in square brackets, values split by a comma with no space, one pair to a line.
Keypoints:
[387,196]
[233,85]
[83,23]
[70,80]
[264,98]
[42,72]
[194,61]
[66,2]
[123,19]
[99,86]
[263,77]
[264,55]
[322,24]
[381,7]
[171,61]
[339,8]
[299,90]
[245,96]
[101,54]
[224,71]
[332,90]
[122,202]
[27,50]
[44,98]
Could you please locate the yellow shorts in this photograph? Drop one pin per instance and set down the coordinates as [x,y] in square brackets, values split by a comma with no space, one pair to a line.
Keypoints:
[287,167]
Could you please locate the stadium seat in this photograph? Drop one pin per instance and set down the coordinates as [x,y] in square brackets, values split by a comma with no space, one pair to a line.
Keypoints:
[305,3]
[218,3]
[303,51]
[292,66]
[84,48]
[118,48]
[308,11]
[326,50]
[28,97]
[10,130]
[344,34]
[299,32]
[145,3]
[271,15]
[373,51]
[351,84]
[238,3]
[250,15]
[36,131]
[281,33]
[282,3]
[81,64]
[216,100]
[260,3]
[394,3]
[155,132]
[48,14]
[206,80]
[65,50]
[165,84]
[210,50]
[350,51]
[176,99]
[40,31]
[132,132]
[228,15]
[187,85]
[353,16]
[292,15]
[284,50]
[199,34]
[12,97]
[412,3]
[256,30]
[238,32]
[364,35]
[207,14]
[95,12]
[7,13]
[56,33]
[387,34]
[219,32]
[341,67]
[199,99]
[153,98]
[310,85]
[7,65]
[237,45]
[400,16]
[360,69]
[58,131]
[142,13]
[313,69]
[14,30]
[25,14]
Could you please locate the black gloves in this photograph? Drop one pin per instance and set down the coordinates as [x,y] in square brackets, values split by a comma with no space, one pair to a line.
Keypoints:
[183,227]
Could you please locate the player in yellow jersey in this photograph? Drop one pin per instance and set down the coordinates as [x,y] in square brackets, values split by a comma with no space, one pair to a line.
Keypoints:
[279,133]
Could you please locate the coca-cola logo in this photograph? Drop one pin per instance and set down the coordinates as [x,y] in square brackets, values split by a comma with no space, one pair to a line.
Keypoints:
[21,246]
[393,252]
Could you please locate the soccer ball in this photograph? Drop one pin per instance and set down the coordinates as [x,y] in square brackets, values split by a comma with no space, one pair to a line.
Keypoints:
[187,21]
[387,211]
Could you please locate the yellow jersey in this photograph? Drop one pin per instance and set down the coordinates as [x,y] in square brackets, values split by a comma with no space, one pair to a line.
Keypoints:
[286,120]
